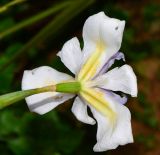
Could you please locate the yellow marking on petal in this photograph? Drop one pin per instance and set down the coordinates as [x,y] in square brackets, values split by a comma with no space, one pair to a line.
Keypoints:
[89,69]
[48,82]
[96,99]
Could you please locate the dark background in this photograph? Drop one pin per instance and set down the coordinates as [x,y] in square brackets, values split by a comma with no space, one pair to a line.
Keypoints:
[58,132]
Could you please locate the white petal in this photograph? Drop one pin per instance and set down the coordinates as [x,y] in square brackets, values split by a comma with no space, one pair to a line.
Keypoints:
[102,39]
[110,62]
[40,77]
[120,99]
[119,79]
[109,138]
[100,28]
[71,55]
[79,109]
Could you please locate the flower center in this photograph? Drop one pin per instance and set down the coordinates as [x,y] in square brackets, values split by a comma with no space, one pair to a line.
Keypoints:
[92,95]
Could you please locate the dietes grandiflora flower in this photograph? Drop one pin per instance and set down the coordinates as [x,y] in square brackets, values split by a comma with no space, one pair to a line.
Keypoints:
[95,85]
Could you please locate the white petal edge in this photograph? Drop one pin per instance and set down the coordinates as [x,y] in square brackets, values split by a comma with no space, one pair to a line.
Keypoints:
[110,62]
[71,55]
[120,99]
[40,77]
[122,133]
[119,79]
[101,29]
[79,109]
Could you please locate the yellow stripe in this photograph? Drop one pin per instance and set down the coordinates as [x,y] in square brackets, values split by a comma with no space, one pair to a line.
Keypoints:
[90,67]
[97,100]
[94,97]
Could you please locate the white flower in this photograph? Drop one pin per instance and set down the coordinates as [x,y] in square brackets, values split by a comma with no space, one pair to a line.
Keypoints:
[102,37]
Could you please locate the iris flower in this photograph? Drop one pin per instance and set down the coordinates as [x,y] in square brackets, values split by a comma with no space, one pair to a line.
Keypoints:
[97,86]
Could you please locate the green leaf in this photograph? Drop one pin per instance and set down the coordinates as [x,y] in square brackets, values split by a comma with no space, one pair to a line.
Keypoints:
[20,146]
[6,23]
[51,29]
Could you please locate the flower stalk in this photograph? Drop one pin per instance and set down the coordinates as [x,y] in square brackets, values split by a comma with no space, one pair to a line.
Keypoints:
[10,98]
[70,87]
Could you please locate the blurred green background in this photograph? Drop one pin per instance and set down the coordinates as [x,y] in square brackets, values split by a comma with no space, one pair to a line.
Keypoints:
[32,32]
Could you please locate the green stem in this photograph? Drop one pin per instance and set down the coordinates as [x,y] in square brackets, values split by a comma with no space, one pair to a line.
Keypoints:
[8,99]
[34,19]
[70,87]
